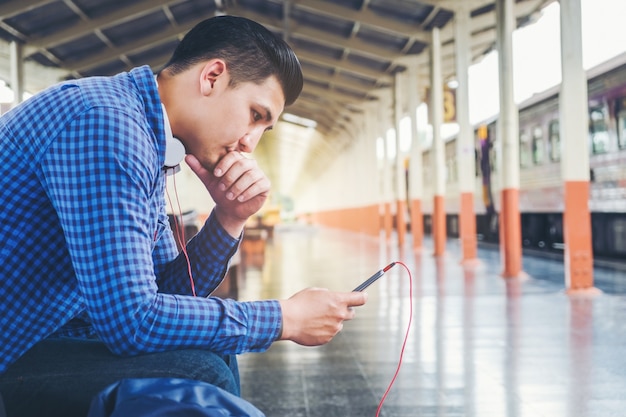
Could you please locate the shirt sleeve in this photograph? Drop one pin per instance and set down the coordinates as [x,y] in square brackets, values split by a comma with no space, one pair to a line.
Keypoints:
[100,174]
[209,251]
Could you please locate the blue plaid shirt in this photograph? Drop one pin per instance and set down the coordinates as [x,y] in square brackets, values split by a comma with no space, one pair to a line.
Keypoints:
[84,230]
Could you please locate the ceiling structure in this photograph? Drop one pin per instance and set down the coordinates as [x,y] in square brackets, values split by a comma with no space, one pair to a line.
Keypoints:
[349,51]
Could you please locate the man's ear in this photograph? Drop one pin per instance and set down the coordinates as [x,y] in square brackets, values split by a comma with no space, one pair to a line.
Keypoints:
[213,71]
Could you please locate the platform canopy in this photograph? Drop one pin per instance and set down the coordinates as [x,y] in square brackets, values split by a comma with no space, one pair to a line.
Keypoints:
[349,50]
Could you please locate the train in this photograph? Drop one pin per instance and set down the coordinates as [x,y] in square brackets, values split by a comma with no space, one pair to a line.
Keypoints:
[541,199]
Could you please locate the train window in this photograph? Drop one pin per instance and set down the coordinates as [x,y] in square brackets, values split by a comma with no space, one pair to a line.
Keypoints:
[451,170]
[621,128]
[598,130]
[426,168]
[554,141]
[621,122]
[537,145]
[476,163]
[525,156]
[614,241]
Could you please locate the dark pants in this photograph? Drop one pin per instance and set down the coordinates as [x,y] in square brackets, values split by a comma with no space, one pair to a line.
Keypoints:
[59,377]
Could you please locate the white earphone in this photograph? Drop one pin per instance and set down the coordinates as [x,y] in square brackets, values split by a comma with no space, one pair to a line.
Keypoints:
[174,152]
[174,148]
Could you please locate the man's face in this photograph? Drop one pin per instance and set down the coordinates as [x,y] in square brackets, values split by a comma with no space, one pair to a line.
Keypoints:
[230,119]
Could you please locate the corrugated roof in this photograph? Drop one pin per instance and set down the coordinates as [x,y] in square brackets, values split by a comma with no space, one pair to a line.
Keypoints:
[349,49]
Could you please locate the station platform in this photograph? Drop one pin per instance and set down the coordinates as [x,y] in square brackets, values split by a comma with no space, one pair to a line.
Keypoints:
[480,345]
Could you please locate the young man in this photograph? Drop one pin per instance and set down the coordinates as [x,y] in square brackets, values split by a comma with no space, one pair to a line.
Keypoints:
[92,289]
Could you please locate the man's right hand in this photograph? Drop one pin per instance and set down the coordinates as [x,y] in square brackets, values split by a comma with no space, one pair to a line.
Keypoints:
[314,316]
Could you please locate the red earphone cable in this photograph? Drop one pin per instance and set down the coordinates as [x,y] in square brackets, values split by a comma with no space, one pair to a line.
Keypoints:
[180,232]
[406,338]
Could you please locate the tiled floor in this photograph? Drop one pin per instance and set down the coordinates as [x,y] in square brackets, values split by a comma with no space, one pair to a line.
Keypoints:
[480,345]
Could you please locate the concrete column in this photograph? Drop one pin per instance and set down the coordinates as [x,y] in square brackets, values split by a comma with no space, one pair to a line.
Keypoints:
[465,141]
[573,121]
[355,177]
[416,186]
[438,150]
[386,172]
[17,71]
[378,189]
[372,174]
[508,128]
[400,192]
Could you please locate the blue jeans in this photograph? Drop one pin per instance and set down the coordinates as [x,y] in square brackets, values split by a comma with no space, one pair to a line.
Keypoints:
[60,376]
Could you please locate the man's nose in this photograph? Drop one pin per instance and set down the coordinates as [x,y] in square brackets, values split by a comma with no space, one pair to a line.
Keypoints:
[249,142]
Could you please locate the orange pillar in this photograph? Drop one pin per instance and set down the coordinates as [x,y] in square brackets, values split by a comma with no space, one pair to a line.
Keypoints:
[511,233]
[439,225]
[465,139]
[387,220]
[400,165]
[373,221]
[573,103]
[467,220]
[401,221]
[577,234]
[417,224]
[508,138]
[415,163]
[435,110]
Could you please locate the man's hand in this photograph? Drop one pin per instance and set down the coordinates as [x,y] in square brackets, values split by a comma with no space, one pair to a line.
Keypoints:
[238,187]
[314,316]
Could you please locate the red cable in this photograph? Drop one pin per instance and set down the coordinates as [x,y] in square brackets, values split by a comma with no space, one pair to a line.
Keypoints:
[180,232]
[180,235]
[406,338]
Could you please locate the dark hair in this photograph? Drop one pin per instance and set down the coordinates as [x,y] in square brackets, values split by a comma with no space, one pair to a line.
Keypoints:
[251,52]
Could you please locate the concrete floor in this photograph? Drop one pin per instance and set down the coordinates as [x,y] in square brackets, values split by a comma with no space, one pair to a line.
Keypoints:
[479,345]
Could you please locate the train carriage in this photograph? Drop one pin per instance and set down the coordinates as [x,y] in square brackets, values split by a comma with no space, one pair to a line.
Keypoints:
[541,186]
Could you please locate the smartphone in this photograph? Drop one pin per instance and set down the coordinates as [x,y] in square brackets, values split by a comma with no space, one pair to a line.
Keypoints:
[373,278]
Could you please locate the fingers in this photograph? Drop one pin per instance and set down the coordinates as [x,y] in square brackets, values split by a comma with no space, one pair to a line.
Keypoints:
[314,316]
[351,300]
[240,178]
[356,299]
[195,165]
[201,172]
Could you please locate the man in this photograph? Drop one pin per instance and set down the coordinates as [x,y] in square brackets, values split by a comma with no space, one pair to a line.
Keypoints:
[92,289]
